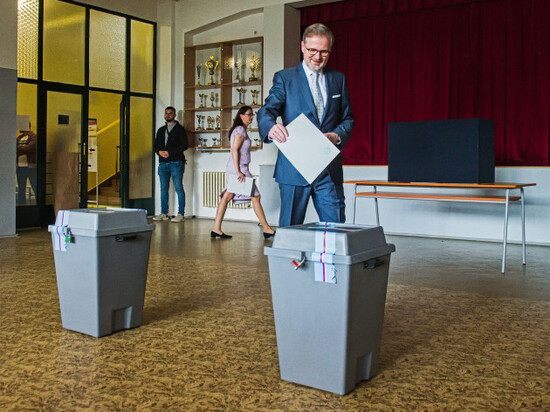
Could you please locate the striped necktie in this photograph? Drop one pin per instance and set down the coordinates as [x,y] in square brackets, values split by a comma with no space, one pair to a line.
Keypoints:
[318,98]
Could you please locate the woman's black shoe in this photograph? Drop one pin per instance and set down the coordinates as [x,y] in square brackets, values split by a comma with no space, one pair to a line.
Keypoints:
[214,235]
[268,235]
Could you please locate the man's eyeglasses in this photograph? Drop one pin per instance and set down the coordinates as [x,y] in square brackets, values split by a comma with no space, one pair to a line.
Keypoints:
[313,52]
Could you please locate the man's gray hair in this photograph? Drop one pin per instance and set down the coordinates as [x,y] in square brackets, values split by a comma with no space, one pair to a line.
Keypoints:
[318,29]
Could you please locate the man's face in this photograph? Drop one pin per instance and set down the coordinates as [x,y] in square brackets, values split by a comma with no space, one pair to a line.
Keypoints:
[169,115]
[319,46]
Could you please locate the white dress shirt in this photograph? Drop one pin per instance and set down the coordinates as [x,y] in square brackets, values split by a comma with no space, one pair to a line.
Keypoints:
[310,74]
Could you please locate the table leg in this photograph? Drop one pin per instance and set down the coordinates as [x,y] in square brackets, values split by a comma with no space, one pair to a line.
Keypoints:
[376,208]
[354,202]
[523,224]
[505,235]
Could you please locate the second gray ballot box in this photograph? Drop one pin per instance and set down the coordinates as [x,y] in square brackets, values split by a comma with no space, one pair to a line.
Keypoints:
[101,257]
[328,285]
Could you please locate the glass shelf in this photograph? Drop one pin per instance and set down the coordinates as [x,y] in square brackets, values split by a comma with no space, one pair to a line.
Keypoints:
[202,86]
[254,83]
[250,129]
[213,147]
[254,106]
[205,131]
[220,148]
[205,109]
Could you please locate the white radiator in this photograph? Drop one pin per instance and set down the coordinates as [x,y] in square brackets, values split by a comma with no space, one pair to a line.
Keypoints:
[212,185]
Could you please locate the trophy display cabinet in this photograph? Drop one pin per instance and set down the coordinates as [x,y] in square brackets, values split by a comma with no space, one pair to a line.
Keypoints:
[219,79]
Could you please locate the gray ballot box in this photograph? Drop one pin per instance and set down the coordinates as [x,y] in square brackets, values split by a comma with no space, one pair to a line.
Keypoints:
[328,285]
[101,257]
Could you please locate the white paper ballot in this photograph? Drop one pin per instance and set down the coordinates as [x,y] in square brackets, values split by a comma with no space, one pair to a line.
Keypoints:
[307,148]
[239,188]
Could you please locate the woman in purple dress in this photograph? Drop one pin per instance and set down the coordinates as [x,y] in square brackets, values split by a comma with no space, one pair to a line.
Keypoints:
[238,165]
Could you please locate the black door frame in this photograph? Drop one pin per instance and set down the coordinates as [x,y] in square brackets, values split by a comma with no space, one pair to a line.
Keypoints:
[41,214]
[83,144]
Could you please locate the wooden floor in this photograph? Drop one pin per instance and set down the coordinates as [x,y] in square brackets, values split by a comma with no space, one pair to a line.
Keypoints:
[458,335]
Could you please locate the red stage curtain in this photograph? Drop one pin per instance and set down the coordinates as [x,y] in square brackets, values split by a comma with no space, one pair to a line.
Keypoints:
[408,60]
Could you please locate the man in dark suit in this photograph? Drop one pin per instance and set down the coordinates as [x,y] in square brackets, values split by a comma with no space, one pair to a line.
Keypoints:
[322,95]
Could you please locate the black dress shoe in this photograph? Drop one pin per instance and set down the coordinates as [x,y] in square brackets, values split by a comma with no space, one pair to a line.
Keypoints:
[214,235]
[268,235]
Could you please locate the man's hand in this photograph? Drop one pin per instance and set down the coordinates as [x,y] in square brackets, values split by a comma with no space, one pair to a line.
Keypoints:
[278,133]
[164,153]
[333,137]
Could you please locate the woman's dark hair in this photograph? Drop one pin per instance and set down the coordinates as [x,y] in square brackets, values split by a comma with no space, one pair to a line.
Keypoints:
[237,121]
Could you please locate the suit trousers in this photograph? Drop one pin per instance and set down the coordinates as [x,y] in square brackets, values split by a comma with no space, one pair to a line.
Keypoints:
[328,199]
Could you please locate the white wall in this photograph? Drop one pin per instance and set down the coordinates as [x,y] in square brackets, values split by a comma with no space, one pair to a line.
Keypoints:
[457,220]
[168,81]
[202,13]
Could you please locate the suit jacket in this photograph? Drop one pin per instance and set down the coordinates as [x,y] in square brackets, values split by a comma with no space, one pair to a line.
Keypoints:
[289,97]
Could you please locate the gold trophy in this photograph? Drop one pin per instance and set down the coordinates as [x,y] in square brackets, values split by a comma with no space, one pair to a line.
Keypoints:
[254,93]
[210,121]
[199,75]
[212,98]
[203,97]
[238,64]
[211,66]
[254,64]
[241,91]
[237,69]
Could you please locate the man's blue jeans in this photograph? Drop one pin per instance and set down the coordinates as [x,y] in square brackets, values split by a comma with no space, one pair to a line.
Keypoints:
[174,170]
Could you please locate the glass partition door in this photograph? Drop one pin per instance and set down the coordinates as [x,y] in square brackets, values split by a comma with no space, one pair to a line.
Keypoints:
[104,140]
[137,171]
[65,150]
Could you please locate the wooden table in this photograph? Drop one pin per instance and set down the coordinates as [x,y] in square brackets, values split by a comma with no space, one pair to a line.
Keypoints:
[504,199]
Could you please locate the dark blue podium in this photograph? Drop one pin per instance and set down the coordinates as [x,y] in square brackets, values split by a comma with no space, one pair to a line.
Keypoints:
[442,151]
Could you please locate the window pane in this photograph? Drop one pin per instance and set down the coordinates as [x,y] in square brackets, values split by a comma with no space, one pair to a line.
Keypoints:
[27,39]
[27,144]
[141,148]
[64,34]
[63,136]
[105,110]
[141,57]
[107,50]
